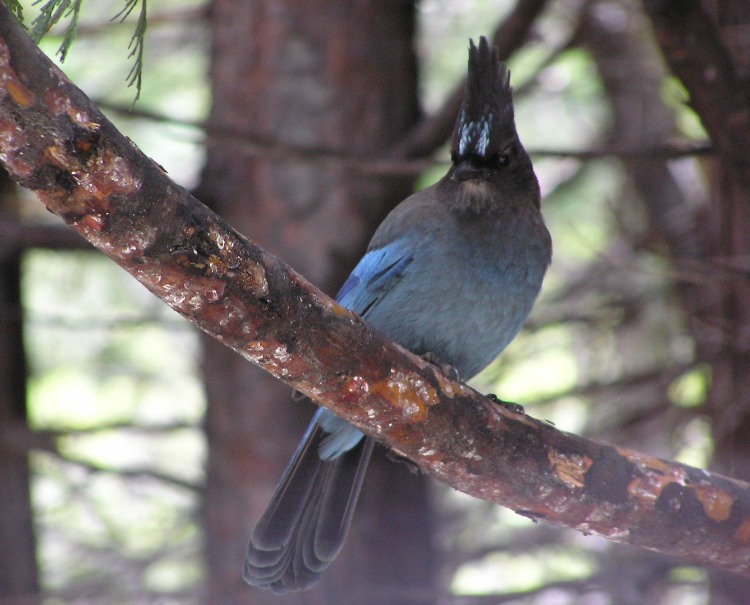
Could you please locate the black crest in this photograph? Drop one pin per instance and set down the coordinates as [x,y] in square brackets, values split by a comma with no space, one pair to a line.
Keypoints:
[485,123]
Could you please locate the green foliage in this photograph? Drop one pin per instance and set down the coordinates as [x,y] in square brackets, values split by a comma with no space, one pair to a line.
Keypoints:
[136,43]
[677,98]
[51,13]
[15,7]
[690,389]
[55,11]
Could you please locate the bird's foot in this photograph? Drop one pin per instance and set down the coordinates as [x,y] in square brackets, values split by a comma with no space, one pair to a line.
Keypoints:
[516,408]
[395,457]
[446,368]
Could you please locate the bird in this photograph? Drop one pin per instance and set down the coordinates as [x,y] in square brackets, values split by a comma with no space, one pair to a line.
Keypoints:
[450,274]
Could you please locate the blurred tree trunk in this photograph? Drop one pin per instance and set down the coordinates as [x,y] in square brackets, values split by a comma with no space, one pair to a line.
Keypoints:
[728,346]
[718,308]
[723,336]
[339,76]
[727,337]
[624,52]
[18,570]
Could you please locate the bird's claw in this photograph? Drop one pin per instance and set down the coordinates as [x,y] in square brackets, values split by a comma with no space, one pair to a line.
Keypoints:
[516,408]
[446,368]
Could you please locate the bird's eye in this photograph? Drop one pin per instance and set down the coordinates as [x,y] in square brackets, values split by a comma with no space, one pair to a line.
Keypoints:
[502,159]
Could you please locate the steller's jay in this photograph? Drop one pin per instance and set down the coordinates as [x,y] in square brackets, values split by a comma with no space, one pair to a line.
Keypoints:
[452,272]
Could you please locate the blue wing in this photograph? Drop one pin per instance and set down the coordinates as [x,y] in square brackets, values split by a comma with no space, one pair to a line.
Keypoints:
[372,278]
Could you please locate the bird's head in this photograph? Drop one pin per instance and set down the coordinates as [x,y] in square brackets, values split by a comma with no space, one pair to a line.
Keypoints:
[486,153]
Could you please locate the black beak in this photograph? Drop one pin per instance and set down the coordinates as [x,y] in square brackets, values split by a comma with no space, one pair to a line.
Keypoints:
[467,171]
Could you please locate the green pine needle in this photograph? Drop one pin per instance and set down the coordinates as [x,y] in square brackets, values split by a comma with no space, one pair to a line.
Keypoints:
[136,43]
[53,11]
[14,6]
[49,14]
[70,32]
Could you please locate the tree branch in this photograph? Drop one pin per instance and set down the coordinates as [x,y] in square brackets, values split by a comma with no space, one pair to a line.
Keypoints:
[389,163]
[21,439]
[54,141]
[17,236]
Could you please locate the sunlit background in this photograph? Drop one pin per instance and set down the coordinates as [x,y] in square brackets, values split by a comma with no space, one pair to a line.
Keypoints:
[114,374]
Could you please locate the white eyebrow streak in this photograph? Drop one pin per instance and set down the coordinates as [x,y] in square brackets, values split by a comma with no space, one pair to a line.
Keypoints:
[470,130]
[484,135]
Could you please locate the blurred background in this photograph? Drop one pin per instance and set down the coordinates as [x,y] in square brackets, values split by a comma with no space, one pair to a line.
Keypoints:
[136,455]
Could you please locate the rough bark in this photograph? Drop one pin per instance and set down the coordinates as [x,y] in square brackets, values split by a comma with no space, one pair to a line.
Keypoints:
[56,143]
